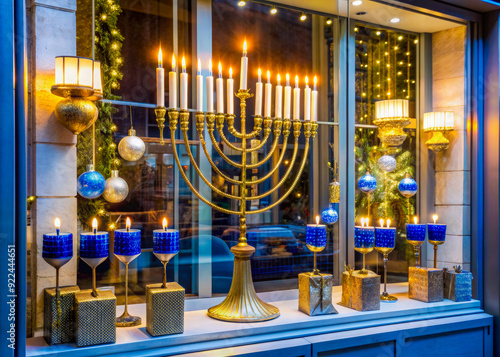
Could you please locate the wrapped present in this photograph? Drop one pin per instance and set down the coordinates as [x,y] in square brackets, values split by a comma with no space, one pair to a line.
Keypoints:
[425,284]
[59,315]
[164,309]
[95,318]
[315,294]
[360,291]
[457,284]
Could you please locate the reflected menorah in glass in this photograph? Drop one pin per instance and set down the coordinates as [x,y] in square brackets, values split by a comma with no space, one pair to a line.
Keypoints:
[242,303]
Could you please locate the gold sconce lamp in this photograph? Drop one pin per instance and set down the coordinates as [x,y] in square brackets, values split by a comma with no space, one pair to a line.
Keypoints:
[438,123]
[392,116]
[78,81]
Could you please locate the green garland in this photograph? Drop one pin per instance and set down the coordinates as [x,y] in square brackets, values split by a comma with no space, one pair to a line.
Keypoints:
[108,43]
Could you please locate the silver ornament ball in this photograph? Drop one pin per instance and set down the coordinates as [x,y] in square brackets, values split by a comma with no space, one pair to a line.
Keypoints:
[387,163]
[131,147]
[115,189]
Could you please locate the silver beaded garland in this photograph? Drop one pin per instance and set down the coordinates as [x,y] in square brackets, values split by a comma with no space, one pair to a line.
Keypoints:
[115,189]
[131,147]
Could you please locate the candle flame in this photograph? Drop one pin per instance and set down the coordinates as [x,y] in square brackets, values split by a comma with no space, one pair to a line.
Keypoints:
[183,63]
[220,69]
[296,80]
[173,63]
[165,223]
[307,81]
[160,58]
[317,220]
[94,224]
[230,72]
[315,79]
[259,72]
[381,221]
[367,220]
[388,223]
[128,223]
[268,75]
[287,77]
[363,220]
[279,79]
[415,219]
[199,65]
[245,46]
[435,218]
[57,223]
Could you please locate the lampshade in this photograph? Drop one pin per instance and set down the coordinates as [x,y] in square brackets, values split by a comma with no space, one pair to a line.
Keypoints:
[97,81]
[438,121]
[74,76]
[392,108]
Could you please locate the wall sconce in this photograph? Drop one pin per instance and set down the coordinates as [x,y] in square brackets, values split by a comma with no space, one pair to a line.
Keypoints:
[78,81]
[438,123]
[392,116]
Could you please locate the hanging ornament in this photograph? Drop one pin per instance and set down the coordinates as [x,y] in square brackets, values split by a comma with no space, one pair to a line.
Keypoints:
[131,147]
[367,183]
[329,215]
[387,163]
[408,186]
[116,188]
[90,184]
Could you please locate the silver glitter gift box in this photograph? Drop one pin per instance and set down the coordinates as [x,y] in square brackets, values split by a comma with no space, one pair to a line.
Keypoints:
[425,284]
[315,294]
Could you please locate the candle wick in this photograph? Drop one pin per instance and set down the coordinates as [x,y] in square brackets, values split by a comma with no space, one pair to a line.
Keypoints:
[57,231]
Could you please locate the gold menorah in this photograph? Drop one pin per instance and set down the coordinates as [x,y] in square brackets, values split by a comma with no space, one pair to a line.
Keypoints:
[242,303]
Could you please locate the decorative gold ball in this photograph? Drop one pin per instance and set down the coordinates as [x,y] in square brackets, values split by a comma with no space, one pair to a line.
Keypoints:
[115,189]
[76,114]
[131,148]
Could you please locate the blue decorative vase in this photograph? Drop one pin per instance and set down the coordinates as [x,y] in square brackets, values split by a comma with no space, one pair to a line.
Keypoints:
[367,183]
[329,215]
[91,184]
[408,186]
[387,163]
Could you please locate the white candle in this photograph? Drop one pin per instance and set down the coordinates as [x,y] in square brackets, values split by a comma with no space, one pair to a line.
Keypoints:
[199,86]
[314,100]
[278,99]
[230,86]
[220,91]
[210,89]
[244,67]
[296,100]
[307,101]
[160,81]
[172,85]
[267,102]
[184,86]
[258,95]
[288,97]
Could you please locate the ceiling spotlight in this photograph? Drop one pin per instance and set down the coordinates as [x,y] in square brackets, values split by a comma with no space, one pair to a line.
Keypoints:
[395,20]
[356,3]
[303,17]
[274,10]
[242,3]
[328,21]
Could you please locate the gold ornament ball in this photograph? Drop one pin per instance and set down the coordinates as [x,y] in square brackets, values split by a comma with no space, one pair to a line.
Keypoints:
[131,147]
[76,114]
[115,189]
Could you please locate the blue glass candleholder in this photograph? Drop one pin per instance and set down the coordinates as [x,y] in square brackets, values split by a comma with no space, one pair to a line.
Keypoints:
[316,240]
[437,235]
[57,250]
[415,235]
[165,247]
[127,248]
[385,241]
[94,249]
[364,241]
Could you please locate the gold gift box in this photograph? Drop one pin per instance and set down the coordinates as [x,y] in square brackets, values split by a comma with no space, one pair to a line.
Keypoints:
[360,291]
[95,318]
[425,284]
[59,316]
[164,309]
[315,294]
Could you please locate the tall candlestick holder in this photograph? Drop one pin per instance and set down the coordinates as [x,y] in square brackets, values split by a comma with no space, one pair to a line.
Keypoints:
[385,242]
[160,113]
[242,303]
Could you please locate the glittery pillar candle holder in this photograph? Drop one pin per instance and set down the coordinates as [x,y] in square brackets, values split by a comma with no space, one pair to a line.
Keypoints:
[316,240]
[165,247]
[415,235]
[437,235]
[385,241]
[94,249]
[364,241]
[127,248]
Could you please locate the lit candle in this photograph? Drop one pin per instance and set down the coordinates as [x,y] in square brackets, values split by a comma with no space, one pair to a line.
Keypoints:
[288,98]
[57,245]
[388,223]
[184,86]
[127,242]
[57,224]
[415,235]
[258,95]
[435,218]
[385,238]
[296,100]
[278,99]
[165,225]
[316,236]
[381,221]
[230,86]
[220,91]
[314,100]
[267,101]
[165,242]
[94,244]
[160,81]
[94,225]
[210,89]
[436,232]
[307,101]
[199,83]
[244,67]
[172,85]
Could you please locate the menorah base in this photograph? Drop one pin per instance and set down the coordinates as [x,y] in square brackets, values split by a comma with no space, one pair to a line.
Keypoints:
[242,303]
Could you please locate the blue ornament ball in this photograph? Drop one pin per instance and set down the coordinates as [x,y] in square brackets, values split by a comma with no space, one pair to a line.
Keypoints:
[367,183]
[329,215]
[91,183]
[408,186]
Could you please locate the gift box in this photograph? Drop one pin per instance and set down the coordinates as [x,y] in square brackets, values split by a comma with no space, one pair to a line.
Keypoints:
[59,316]
[95,318]
[425,284]
[360,291]
[457,285]
[315,294]
[164,309]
